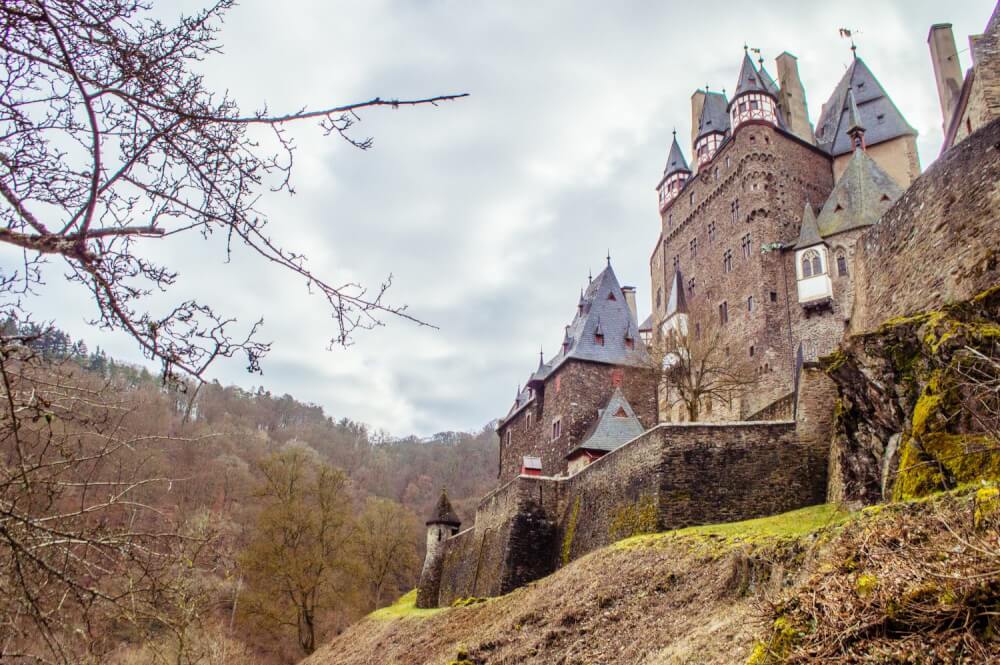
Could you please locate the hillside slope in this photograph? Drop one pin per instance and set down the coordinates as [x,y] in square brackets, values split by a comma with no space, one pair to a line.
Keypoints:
[729,593]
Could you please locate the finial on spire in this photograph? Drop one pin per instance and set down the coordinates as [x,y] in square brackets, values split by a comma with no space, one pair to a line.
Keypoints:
[609,257]
[675,132]
[590,276]
[746,47]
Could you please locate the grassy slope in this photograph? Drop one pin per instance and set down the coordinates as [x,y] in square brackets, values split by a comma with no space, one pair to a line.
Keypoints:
[695,595]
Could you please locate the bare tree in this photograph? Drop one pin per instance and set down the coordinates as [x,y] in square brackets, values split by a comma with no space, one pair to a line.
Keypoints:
[300,562]
[109,140]
[696,372]
[388,536]
[81,548]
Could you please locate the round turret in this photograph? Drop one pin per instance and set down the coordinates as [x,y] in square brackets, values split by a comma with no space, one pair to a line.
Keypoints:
[754,100]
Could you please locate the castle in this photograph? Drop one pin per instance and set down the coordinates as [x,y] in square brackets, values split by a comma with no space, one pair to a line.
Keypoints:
[765,252]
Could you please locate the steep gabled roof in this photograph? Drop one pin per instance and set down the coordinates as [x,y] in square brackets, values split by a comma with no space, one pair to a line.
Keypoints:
[602,309]
[647,325]
[443,512]
[809,231]
[875,110]
[750,79]
[616,424]
[859,198]
[677,302]
[675,160]
[714,116]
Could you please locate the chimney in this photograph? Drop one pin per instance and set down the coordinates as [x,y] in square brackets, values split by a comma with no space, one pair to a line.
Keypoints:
[947,71]
[629,292]
[697,103]
[793,98]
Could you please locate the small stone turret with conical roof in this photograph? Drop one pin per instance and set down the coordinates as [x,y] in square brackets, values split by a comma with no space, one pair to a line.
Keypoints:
[755,97]
[442,524]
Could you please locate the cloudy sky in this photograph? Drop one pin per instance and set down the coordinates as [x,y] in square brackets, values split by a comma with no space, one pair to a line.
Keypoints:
[489,211]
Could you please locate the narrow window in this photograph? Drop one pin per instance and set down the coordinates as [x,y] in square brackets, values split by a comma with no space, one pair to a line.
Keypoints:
[697,330]
[729,162]
[691,286]
[806,267]
[817,266]
[842,265]
[691,198]
[677,261]
[749,303]
[751,352]
[556,428]
[774,296]
[659,298]
[599,339]
[724,313]
[527,421]
[727,261]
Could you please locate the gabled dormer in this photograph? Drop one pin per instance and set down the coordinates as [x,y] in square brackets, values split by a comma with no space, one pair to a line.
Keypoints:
[754,99]
[675,175]
[812,263]
[713,126]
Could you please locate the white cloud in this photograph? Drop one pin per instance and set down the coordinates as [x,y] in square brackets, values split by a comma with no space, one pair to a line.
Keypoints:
[490,210]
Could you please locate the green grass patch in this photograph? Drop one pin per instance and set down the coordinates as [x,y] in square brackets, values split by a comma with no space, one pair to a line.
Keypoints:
[786,526]
[404,608]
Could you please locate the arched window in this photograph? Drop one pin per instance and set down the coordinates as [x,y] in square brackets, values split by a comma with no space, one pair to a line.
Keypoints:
[841,264]
[811,264]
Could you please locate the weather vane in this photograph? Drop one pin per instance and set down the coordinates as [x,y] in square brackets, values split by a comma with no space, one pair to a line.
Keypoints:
[846,33]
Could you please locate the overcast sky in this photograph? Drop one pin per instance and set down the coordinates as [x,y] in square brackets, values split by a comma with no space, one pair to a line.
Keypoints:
[491,210]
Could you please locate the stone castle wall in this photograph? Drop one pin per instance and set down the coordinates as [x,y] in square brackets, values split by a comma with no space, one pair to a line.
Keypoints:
[672,476]
[573,393]
[938,243]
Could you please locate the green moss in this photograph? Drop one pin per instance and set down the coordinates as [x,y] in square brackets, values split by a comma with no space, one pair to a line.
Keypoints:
[634,518]
[987,505]
[866,585]
[834,361]
[944,461]
[567,543]
[776,649]
[786,526]
[466,602]
[918,475]
[405,607]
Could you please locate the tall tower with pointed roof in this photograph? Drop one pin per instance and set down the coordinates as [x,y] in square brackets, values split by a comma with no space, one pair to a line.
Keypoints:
[760,268]
[675,174]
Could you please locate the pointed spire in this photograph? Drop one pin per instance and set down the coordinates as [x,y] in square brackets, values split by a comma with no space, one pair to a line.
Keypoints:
[590,276]
[609,257]
[675,159]
[541,358]
[809,232]
[714,116]
[855,129]
[443,512]
[750,79]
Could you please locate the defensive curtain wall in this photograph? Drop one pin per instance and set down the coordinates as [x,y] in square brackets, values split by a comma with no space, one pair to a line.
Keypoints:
[671,476]
[938,243]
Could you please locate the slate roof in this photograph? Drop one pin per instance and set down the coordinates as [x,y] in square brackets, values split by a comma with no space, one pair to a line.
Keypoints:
[596,310]
[646,325]
[714,116]
[677,301]
[675,160]
[880,117]
[853,115]
[612,429]
[769,82]
[809,231]
[750,79]
[443,512]
[863,193]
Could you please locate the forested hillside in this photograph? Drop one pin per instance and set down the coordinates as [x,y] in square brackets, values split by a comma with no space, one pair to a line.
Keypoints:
[276,499]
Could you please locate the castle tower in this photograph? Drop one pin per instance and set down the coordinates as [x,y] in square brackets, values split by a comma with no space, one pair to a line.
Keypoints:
[442,525]
[675,175]
[947,71]
[713,126]
[812,263]
[754,99]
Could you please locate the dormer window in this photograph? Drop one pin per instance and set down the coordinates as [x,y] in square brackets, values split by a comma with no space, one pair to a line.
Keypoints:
[811,264]
[611,296]
[599,338]
[629,343]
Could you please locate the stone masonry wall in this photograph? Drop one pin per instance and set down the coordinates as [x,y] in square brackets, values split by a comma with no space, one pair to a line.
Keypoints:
[756,186]
[672,476]
[938,243]
[573,393]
